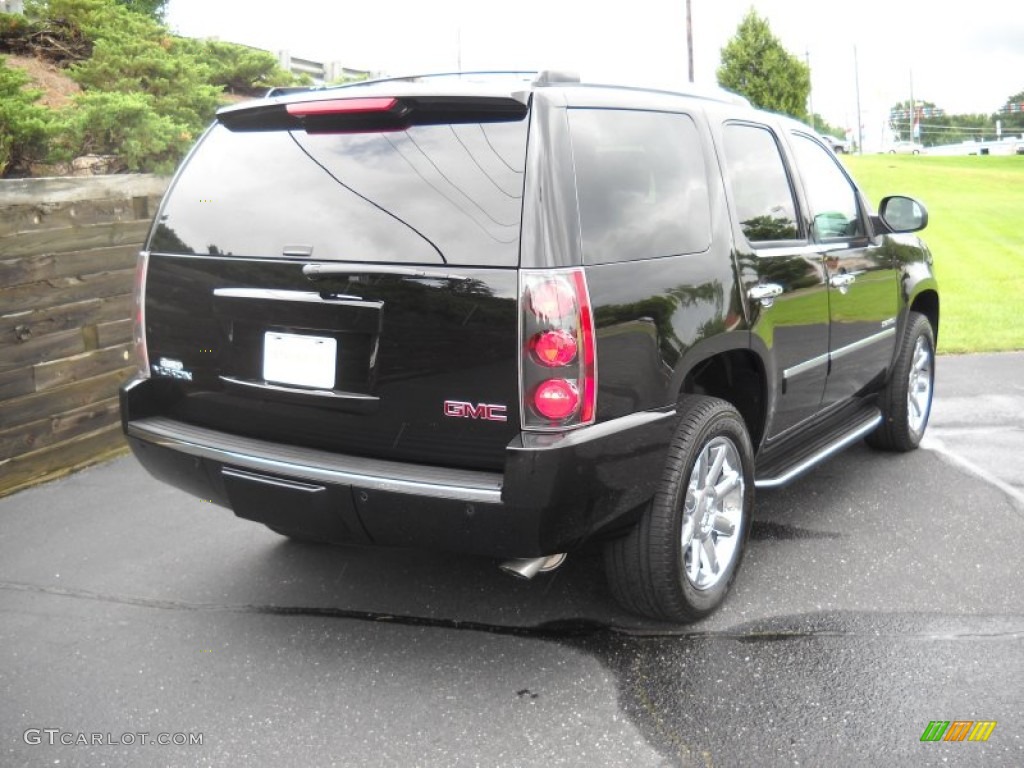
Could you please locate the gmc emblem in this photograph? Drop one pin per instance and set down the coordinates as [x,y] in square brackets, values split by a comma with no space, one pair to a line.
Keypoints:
[460,410]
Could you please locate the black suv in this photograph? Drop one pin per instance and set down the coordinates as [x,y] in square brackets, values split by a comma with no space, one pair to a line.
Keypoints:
[510,317]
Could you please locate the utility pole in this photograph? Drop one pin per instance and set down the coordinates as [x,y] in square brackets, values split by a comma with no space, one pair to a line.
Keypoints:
[689,37]
[810,91]
[913,109]
[860,124]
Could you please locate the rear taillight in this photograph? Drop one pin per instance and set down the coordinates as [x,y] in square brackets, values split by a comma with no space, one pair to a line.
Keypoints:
[139,315]
[556,399]
[554,348]
[558,379]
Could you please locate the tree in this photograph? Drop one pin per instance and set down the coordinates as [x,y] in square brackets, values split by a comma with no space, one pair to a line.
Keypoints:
[147,94]
[126,125]
[239,69]
[169,98]
[155,9]
[755,65]
[24,125]
[1013,120]
[936,127]
[826,128]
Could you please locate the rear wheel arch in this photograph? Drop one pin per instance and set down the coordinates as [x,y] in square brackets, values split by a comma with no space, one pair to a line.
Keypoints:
[736,376]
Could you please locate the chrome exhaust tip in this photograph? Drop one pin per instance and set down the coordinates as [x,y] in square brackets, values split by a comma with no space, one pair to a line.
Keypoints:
[528,567]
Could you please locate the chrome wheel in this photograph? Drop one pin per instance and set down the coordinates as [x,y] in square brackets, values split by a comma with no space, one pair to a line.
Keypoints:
[713,513]
[680,558]
[906,401]
[919,389]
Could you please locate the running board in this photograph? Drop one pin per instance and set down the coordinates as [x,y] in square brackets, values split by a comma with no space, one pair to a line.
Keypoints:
[778,475]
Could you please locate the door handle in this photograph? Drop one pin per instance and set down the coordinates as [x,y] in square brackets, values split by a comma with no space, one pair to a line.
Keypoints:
[766,293]
[842,281]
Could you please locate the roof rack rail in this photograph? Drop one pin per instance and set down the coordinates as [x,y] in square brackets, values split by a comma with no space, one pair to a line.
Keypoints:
[288,90]
[525,75]
[556,76]
[709,92]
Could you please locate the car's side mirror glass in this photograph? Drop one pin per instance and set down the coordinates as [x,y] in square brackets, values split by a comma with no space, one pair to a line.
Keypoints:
[903,214]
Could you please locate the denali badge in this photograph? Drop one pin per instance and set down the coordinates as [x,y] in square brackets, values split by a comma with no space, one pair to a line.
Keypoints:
[483,411]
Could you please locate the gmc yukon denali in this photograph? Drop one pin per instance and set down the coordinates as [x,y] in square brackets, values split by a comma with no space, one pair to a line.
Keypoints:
[510,316]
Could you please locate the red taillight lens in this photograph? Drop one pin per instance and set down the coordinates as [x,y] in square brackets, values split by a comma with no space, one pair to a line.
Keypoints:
[556,399]
[552,300]
[557,332]
[341,107]
[554,348]
[139,315]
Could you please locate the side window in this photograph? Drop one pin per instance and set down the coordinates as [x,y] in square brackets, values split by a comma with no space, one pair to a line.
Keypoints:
[760,185]
[641,184]
[830,195]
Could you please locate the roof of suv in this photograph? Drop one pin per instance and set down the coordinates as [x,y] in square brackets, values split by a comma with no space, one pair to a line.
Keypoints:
[508,84]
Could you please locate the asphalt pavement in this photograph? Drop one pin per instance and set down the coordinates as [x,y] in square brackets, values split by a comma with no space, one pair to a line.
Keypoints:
[879,593]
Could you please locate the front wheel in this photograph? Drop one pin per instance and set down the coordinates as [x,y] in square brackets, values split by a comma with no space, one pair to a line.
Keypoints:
[906,401]
[678,562]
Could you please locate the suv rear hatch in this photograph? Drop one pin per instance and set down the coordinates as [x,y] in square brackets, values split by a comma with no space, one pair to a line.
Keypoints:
[341,273]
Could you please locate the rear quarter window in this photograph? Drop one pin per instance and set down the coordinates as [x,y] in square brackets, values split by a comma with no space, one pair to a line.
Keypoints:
[759,184]
[642,184]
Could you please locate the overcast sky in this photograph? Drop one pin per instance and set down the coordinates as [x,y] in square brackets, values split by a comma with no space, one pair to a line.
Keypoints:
[966,60]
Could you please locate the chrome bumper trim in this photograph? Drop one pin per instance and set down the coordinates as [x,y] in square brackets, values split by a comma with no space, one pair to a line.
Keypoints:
[310,464]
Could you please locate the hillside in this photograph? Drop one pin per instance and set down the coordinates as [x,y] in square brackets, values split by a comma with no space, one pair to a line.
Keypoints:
[97,78]
[57,87]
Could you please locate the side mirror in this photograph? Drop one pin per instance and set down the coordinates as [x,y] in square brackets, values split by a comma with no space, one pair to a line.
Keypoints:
[902,214]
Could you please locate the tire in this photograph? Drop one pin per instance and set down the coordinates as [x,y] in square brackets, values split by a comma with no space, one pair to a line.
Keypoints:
[906,401]
[650,570]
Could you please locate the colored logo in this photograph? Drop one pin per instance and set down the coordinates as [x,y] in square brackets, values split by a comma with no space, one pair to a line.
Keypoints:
[958,730]
[484,411]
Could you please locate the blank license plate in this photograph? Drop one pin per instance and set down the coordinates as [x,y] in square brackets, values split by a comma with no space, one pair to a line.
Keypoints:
[305,361]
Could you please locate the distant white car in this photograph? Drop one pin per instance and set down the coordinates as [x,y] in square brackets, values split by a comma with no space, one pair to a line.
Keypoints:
[906,148]
[839,146]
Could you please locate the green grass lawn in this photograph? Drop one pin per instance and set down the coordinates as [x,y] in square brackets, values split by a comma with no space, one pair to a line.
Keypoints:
[976,234]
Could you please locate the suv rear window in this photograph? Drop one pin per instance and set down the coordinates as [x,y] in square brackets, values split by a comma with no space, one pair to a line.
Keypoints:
[642,184]
[428,194]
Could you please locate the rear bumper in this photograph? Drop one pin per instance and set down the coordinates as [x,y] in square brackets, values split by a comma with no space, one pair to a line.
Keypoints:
[556,491]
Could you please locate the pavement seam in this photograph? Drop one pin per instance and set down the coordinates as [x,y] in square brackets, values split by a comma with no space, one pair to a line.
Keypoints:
[562,630]
[1015,495]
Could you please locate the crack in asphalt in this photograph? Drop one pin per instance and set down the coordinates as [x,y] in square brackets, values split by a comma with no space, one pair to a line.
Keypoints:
[567,629]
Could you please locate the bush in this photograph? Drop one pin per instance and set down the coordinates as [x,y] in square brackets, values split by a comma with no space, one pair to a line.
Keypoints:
[14,31]
[237,68]
[178,86]
[126,125]
[24,125]
[147,94]
[145,98]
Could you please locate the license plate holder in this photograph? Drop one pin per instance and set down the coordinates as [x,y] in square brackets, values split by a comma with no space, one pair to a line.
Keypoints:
[300,360]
